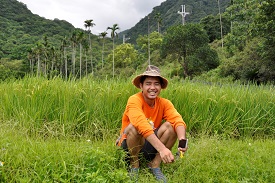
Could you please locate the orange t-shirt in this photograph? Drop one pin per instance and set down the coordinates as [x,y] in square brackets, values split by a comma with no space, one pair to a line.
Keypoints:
[145,118]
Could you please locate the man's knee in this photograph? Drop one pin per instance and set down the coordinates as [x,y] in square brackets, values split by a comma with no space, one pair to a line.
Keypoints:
[168,127]
[131,131]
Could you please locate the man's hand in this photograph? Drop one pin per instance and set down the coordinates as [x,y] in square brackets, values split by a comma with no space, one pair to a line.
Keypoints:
[166,156]
[182,147]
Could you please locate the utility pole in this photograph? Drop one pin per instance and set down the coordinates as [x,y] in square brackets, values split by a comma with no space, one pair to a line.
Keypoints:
[125,39]
[183,13]
[149,42]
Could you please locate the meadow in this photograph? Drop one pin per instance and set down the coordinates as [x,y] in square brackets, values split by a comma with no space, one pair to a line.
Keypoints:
[64,131]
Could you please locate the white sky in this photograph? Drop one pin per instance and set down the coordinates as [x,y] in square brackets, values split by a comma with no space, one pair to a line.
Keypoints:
[104,13]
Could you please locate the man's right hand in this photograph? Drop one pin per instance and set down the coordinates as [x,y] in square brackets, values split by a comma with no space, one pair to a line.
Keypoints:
[166,156]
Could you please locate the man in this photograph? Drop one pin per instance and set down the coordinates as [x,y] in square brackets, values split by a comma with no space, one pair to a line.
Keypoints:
[143,130]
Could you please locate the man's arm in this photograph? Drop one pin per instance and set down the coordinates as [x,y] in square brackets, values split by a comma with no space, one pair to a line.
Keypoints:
[181,133]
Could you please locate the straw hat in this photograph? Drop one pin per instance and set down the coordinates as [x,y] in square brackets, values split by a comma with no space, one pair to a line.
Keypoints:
[151,70]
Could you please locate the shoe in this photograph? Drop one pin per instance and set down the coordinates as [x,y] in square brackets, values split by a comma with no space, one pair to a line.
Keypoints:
[158,174]
[133,173]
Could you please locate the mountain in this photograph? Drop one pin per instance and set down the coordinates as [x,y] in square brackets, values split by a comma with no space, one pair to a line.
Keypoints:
[20,29]
[17,14]
[197,9]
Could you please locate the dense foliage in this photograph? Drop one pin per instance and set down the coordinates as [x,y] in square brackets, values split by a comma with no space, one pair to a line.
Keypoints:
[238,43]
[20,29]
[190,45]
[167,11]
[250,41]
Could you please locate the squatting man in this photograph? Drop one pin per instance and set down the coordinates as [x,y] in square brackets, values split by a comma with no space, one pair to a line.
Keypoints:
[150,125]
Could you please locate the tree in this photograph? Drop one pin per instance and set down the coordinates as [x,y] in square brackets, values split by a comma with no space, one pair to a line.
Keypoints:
[159,20]
[266,29]
[113,35]
[73,40]
[37,52]
[80,38]
[210,23]
[103,35]
[243,16]
[46,47]
[52,57]
[155,41]
[11,69]
[155,45]
[251,42]
[63,50]
[86,49]
[31,59]
[184,42]
[89,24]
[221,28]
[125,55]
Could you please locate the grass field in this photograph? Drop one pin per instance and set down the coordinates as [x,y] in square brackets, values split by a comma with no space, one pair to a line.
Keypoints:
[64,131]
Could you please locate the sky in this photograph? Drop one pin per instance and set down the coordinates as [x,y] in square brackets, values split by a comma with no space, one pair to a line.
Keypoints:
[104,13]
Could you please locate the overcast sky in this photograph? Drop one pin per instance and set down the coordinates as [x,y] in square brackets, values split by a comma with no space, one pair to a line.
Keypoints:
[105,13]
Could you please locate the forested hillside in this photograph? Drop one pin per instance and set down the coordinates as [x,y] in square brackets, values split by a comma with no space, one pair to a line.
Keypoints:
[167,15]
[221,40]
[25,36]
[20,29]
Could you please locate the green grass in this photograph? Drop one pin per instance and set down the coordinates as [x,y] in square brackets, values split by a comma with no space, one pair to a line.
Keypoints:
[208,159]
[86,106]
[64,131]
[29,159]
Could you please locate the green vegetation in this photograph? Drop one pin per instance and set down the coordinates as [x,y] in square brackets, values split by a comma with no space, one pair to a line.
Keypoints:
[64,131]
[167,13]
[89,105]
[190,45]
[63,92]
[230,39]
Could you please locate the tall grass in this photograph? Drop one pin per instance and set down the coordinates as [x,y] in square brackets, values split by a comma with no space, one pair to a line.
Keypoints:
[64,131]
[93,107]
[231,110]
[60,107]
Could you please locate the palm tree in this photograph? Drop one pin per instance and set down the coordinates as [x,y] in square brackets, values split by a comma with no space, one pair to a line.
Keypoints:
[113,35]
[46,48]
[64,53]
[88,25]
[73,40]
[159,21]
[86,49]
[31,59]
[52,56]
[220,21]
[80,37]
[37,51]
[103,35]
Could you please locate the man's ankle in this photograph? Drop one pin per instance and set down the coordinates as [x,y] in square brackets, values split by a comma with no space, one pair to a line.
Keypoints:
[153,165]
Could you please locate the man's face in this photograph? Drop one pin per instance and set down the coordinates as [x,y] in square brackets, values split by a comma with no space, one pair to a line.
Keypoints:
[151,87]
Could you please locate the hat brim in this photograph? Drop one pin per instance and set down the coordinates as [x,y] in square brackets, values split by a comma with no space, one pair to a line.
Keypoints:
[136,80]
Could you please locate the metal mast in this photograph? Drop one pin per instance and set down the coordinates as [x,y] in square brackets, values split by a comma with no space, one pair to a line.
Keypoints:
[183,13]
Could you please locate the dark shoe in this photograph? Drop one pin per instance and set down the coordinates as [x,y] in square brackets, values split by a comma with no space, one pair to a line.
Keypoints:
[158,174]
[133,173]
